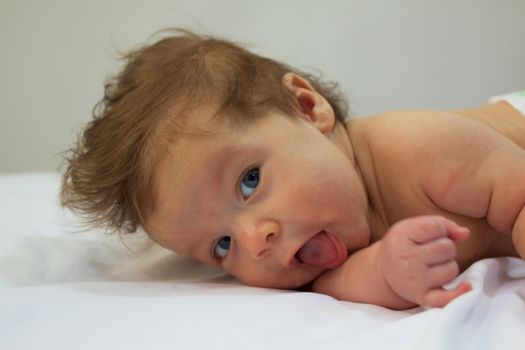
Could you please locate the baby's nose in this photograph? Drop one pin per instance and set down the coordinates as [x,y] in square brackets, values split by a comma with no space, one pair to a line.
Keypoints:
[260,238]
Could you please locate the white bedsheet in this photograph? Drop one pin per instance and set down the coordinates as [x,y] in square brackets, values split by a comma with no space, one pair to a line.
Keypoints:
[60,289]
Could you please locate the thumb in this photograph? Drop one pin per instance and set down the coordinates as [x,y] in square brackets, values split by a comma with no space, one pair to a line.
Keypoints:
[440,297]
[455,232]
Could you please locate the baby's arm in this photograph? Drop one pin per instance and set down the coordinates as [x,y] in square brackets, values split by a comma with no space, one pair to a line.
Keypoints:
[407,267]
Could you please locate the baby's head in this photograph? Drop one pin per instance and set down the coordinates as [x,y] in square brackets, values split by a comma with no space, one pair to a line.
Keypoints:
[225,156]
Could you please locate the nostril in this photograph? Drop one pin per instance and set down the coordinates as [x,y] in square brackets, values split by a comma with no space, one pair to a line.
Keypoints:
[270,236]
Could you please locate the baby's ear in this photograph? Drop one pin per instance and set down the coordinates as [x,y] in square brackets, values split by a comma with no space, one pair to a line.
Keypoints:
[313,105]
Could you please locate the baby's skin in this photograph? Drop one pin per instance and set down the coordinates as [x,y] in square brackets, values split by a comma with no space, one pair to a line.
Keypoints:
[469,165]
[384,210]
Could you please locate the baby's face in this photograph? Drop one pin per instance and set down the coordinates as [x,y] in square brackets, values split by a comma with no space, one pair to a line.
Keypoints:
[275,204]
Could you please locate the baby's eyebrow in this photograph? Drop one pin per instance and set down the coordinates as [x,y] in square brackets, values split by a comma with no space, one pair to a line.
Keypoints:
[224,158]
[192,248]
[227,152]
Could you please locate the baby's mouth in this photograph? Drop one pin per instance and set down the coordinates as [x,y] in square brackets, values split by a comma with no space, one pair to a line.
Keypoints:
[324,250]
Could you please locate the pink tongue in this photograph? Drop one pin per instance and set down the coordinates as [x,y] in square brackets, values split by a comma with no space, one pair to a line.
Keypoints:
[323,251]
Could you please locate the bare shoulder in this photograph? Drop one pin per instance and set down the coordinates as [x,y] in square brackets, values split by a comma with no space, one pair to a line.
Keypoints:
[403,128]
[426,135]
[406,139]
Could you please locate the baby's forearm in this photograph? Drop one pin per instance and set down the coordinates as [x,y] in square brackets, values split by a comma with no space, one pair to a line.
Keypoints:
[361,280]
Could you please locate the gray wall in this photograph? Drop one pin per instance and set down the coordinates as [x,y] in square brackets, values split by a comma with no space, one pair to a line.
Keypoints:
[386,54]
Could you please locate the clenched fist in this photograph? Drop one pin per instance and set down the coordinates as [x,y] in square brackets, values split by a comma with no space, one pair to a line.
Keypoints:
[417,257]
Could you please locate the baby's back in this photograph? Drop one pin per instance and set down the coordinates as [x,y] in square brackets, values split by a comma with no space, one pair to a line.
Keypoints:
[503,118]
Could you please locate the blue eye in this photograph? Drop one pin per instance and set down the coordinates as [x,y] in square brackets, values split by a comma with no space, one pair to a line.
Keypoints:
[249,182]
[223,246]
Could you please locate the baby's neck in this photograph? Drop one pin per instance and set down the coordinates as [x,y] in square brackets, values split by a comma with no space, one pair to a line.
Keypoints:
[360,156]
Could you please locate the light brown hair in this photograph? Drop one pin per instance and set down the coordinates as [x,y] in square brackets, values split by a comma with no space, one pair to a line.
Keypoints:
[109,172]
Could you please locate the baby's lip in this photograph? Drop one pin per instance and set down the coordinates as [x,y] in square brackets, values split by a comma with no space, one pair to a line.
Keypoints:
[292,261]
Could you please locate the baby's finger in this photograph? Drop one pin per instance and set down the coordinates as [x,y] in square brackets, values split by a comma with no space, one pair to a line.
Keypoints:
[423,229]
[457,233]
[454,231]
[442,273]
[438,251]
[440,297]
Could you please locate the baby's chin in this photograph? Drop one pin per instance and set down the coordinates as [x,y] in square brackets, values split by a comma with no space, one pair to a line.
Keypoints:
[292,281]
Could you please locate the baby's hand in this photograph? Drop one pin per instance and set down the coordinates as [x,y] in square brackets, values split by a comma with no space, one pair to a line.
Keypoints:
[417,258]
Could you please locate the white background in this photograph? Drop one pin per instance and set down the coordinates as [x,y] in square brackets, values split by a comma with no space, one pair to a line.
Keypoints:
[390,54]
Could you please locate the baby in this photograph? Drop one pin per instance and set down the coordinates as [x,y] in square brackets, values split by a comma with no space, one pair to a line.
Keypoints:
[240,161]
